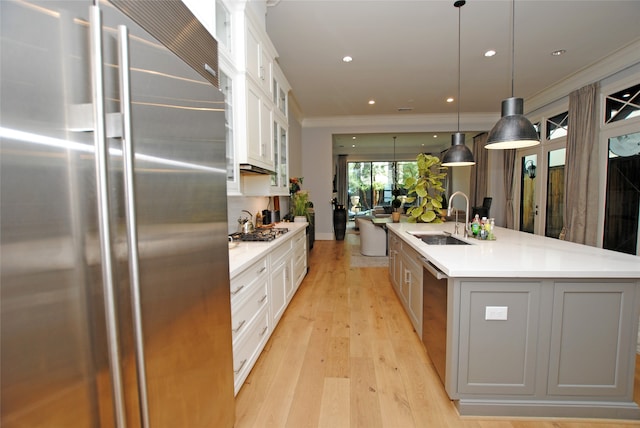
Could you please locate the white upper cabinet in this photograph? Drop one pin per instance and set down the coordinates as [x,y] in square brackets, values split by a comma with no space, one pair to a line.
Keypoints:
[259,58]
[258,95]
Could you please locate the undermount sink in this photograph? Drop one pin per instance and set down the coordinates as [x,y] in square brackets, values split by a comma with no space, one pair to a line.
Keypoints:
[439,239]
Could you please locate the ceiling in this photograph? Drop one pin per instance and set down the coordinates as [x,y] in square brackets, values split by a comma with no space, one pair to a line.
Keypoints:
[405,52]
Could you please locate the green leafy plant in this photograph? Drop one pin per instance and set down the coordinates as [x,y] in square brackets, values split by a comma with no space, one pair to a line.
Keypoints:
[300,203]
[396,203]
[427,189]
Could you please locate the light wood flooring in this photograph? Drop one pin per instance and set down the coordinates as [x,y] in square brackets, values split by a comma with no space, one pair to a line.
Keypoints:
[345,355]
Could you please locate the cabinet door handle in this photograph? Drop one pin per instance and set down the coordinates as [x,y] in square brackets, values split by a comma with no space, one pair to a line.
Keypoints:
[263,299]
[407,276]
[241,366]
[237,290]
[262,269]
[264,330]
[237,329]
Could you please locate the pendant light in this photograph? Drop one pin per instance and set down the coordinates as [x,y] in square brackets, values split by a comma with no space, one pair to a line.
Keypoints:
[458,154]
[513,130]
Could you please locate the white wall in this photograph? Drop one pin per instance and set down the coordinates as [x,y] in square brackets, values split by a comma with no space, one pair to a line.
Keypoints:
[318,177]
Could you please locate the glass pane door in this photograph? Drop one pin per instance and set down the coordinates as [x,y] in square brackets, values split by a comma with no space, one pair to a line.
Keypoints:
[554,211]
[528,192]
[623,194]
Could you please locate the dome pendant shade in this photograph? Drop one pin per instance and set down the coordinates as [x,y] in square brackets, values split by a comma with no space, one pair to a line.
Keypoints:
[513,130]
[458,154]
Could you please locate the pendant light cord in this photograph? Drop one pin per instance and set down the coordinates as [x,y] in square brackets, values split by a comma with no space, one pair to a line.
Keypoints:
[513,44]
[459,5]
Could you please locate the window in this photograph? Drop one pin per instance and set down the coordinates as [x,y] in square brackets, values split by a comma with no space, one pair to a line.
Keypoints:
[371,183]
[623,105]
[557,126]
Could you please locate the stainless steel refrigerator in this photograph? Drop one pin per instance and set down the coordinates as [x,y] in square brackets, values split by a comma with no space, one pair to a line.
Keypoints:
[113,247]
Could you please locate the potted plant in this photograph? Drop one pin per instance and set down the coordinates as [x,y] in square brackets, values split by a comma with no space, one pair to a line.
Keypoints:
[427,189]
[300,205]
[396,204]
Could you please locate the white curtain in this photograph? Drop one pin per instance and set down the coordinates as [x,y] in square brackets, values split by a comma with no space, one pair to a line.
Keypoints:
[581,177]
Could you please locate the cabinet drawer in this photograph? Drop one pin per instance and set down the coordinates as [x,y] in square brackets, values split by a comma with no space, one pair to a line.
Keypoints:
[254,274]
[247,350]
[300,241]
[280,252]
[243,311]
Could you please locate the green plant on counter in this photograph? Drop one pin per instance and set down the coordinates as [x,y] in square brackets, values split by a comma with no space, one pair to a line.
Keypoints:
[396,203]
[300,203]
[427,188]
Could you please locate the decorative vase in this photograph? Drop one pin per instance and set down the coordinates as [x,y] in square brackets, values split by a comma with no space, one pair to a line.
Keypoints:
[395,216]
[300,219]
[339,222]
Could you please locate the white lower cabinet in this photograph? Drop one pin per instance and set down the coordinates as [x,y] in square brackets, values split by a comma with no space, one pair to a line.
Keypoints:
[247,348]
[299,258]
[259,297]
[281,279]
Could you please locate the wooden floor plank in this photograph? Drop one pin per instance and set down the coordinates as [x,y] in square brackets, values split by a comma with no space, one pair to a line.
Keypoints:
[345,355]
[334,407]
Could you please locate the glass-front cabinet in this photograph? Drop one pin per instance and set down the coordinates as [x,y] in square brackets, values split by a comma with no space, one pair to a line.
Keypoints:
[257,93]
[279,179]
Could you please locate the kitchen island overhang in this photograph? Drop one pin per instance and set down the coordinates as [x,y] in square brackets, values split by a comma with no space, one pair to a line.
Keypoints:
[567,345]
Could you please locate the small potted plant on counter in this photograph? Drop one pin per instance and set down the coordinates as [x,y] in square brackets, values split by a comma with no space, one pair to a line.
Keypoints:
[300,204]
[395,214]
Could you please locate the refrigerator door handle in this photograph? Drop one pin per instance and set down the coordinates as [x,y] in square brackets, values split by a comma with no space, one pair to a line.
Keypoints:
[102,185]
[130,214]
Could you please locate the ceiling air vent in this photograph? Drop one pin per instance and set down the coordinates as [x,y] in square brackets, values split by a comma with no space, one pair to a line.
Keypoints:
[401,109]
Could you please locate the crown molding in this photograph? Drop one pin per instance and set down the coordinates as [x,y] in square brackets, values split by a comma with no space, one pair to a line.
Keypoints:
[623,58]
[407,123]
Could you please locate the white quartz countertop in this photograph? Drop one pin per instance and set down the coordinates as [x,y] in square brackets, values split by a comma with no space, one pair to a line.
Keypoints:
[518,255]
[247,252]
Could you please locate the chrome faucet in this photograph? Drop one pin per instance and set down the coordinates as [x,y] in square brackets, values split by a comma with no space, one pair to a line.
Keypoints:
[466,220]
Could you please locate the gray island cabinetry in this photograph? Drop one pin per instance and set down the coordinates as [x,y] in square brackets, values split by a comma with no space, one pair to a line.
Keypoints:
[524,325]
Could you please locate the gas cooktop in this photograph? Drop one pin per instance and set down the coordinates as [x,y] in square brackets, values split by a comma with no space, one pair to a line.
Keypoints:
[263,234]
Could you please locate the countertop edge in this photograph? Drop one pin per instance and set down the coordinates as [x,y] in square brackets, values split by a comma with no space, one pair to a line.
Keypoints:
[246,253]
[519,255]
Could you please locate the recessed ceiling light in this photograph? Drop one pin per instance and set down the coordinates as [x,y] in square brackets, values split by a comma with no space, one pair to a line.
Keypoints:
[347,59]
[489,53]
[353,145]
[354,137]
[372,102]
[435,135]
[558,52]
[450,99]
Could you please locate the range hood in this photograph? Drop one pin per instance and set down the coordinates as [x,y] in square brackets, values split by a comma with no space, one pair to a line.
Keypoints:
[246,168]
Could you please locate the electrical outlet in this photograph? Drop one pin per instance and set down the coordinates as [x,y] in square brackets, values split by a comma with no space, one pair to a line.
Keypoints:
[495,313]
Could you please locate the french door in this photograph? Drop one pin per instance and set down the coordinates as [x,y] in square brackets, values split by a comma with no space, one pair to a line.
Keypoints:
[540,189]
[528,180]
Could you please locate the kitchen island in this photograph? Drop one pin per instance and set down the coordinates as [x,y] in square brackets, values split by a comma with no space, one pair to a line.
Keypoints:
[523,325]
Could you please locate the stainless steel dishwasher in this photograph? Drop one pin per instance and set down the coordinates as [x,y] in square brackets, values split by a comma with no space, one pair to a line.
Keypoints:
[434,316]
